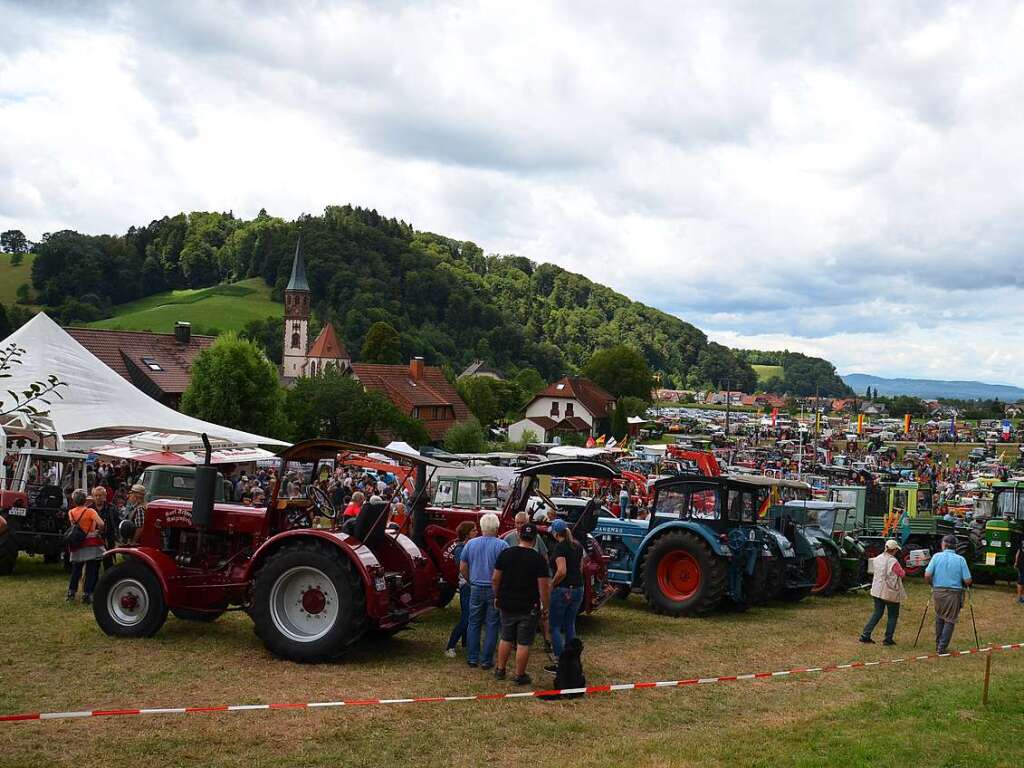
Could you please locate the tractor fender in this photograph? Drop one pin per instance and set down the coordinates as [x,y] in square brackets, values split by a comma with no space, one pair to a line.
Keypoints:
[720,549]
[362,558]
[159,563]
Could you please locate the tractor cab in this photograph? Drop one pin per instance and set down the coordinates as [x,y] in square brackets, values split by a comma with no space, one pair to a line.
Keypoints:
[998,538]
[841,561]
[34,503]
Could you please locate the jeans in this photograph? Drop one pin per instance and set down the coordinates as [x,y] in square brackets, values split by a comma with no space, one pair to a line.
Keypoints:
[92,574]
[482,613]
[943,634]
[459,630]
[565,604]
[890,623]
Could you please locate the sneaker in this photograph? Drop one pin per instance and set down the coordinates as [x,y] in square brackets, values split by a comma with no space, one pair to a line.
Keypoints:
[449,652]
[499,674]
[866,640]
[552,668]
[485,667]
[888,642]
[471,663]
[86,599]
[523,679]
[70,598]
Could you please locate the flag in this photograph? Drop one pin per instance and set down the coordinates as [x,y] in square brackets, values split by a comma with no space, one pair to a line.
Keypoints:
[600,441]
[775,415]
[590,442]
[952,425]
[610,444]
[906,423]
[860,423]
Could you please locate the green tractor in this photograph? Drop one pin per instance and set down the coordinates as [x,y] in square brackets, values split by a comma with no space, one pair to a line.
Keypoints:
[997,539]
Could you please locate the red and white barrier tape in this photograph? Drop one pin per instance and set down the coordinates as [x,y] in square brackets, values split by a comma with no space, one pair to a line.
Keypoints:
[590,689]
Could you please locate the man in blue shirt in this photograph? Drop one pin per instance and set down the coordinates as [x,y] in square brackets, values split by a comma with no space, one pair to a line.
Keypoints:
[477,567]
[948,575]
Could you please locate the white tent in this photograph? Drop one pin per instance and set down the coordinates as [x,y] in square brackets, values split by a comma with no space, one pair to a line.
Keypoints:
[96,397]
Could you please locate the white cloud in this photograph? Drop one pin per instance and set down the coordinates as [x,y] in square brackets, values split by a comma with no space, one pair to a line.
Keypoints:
[839,178]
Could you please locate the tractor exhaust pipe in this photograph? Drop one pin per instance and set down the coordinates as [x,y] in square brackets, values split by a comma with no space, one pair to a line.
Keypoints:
[206,484]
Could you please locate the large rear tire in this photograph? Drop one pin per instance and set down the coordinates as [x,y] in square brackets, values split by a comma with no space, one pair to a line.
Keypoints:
[308,603]
[682,576]
[8,554]
[828,574]
[129,601]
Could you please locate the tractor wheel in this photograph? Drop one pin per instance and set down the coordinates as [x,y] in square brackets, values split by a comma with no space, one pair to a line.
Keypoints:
[854,580]
[448,593]
[203,617]
[775,579]
[8,554]
[682,576]
[622,591]
[308,603]
[795,595]
[828,574]
[129,601]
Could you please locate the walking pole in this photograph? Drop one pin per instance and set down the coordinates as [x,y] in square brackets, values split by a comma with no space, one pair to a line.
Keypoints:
[923,617]
[970,603]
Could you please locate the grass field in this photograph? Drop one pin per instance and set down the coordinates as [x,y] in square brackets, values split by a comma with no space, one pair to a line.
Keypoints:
[12,277]
[766,373]
[926,713]
[220,308]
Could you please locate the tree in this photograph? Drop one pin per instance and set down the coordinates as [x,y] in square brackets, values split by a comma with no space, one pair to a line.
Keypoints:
[269,334]
[382,344]
[465,437]
[36,394]
[479,395]
[717,366]
[334,405]
[23,294]
[14,242]
[622,371]
[529,382]
[5,323]
[619,427]
[235,385]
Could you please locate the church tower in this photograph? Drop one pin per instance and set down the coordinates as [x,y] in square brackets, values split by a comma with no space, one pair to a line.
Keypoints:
[296,317]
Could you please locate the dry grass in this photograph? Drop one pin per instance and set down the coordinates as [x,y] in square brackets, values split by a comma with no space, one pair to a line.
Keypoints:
[928,713]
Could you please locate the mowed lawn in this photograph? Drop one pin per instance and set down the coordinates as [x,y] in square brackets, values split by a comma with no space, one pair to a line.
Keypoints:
[766,373]
[225,307]
[922,713]
[12,277]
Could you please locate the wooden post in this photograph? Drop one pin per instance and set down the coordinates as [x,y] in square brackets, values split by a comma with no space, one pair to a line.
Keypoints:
[988,674]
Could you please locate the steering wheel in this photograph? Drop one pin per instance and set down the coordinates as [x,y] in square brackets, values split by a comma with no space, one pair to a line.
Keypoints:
[322,503]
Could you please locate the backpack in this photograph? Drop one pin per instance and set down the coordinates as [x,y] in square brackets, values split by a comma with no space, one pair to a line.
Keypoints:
[569,673]
[75,534]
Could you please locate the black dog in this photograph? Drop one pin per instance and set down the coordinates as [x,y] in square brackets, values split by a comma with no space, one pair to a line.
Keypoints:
[569,673]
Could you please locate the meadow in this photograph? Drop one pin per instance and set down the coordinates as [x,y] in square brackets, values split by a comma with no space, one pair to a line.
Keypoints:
[922,713]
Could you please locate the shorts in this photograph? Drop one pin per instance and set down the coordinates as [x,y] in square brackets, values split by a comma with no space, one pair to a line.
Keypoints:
[518,628]
[1020,576]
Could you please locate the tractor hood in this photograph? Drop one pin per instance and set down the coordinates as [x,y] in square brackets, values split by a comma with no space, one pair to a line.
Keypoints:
[617,527]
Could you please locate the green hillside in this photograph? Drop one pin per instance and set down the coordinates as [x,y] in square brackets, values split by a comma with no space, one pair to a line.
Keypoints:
[12,277]
[226,307]
[766,373]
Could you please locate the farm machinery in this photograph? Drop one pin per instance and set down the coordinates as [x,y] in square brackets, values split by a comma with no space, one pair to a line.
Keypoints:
[703,544]
[33,504]
[311,592]
[995,540]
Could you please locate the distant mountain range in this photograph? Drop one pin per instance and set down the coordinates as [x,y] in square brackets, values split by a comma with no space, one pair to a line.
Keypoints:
[934,388]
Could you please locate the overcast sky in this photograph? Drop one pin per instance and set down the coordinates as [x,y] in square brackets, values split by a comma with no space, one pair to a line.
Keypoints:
[843,179]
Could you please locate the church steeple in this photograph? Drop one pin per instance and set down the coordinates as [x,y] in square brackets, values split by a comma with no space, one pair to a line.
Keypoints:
[298,280]
[296,317]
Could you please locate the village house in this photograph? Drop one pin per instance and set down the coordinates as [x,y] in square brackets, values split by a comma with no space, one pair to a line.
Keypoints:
[571,405]
[160,364]
[721,398]
[480,368]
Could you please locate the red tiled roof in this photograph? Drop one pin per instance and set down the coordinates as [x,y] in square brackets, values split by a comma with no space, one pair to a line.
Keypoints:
[123,352]
[328,345]
[432,389]
[594,398]
[570,423]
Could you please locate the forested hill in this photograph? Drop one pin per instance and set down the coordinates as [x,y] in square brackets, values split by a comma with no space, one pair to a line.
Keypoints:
[448,300]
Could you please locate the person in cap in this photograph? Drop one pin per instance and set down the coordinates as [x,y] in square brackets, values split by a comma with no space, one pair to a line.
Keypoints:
[522,589]
[134,512]
[887,591]
[948,575]
[566,587]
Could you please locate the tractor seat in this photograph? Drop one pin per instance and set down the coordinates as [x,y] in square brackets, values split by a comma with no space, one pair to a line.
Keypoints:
[371,521]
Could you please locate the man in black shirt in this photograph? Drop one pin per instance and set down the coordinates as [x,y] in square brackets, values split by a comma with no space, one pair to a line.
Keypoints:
[522,589]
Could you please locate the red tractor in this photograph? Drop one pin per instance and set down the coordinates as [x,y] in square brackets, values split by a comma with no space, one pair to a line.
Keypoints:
[311,592]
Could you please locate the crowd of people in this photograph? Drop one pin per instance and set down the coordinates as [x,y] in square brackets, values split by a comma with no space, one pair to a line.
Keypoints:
[513,586]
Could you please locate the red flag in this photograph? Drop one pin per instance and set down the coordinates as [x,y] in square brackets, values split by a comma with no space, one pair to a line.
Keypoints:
[590,442]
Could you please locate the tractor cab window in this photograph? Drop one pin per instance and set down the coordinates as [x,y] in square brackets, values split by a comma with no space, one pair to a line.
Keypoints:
[489,494]
[671,503]
[704,504]
[741,506]
[899,500]
[466,496]
[445,493]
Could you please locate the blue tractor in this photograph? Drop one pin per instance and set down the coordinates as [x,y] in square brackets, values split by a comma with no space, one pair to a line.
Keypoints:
[702,545]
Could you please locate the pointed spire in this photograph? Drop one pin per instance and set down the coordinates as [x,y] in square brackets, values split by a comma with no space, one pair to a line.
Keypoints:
[298,281]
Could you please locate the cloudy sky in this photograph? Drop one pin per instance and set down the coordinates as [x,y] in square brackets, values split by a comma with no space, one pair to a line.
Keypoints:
[843,179]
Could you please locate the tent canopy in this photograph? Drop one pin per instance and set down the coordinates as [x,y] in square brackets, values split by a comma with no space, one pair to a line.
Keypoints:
[96,397]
